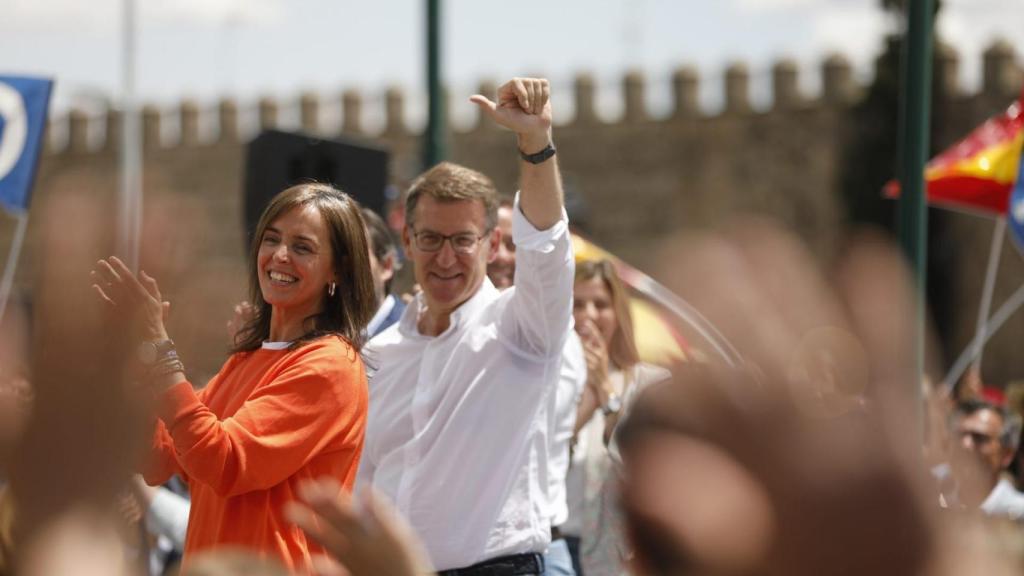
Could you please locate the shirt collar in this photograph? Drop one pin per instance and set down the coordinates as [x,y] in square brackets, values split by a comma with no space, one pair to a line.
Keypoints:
[483,296]
[275,345]
[1001,491]
[382,313]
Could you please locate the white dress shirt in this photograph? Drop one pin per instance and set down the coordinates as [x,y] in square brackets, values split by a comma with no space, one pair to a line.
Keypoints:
[457,431]
[1004,500]
[572,378]
[168,516]
[167,520]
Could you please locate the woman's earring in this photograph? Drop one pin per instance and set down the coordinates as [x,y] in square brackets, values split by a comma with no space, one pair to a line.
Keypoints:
[330,289]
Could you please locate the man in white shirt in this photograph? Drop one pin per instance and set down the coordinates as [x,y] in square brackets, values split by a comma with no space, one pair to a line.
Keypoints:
[985,438]
[572,378]
[457,428]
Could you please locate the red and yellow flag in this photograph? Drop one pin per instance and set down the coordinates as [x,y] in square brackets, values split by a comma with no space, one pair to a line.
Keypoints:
[978,172]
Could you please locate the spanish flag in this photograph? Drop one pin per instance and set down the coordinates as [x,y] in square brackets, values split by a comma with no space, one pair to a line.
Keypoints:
[978,172]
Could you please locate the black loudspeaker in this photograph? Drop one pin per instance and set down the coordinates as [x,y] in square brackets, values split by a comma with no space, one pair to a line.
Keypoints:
[276,160]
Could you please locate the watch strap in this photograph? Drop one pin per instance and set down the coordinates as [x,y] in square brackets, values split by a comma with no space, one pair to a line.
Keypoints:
[612,406]
[165,348]
[154,351]
[539,157]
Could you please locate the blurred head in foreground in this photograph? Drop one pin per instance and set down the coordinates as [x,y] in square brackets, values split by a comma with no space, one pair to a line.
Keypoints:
[229,561]
[805,460]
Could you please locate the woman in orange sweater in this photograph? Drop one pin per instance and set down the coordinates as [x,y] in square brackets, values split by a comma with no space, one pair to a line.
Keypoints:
[290,403]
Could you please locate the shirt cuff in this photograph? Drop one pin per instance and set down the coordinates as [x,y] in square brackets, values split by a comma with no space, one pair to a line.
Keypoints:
[175,402]
[525,236]
[168,516]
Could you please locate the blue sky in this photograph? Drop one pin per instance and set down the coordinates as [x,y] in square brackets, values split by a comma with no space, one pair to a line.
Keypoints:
[248,48]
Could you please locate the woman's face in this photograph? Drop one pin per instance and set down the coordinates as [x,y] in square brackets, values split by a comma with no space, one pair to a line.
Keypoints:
[296,262]
[592,303]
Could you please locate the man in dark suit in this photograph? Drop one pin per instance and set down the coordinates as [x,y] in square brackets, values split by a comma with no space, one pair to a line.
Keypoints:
[383,265]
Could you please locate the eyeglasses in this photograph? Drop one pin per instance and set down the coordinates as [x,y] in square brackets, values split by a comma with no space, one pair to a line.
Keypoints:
[463,242]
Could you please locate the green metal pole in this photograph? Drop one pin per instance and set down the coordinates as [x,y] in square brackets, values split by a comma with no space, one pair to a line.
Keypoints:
[915,109]
[434,149]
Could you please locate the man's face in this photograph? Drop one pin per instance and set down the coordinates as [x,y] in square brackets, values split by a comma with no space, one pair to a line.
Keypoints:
[977,439]
[449,277]
[502,269]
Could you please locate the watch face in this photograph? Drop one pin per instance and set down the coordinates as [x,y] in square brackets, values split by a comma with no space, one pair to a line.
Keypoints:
[613,405]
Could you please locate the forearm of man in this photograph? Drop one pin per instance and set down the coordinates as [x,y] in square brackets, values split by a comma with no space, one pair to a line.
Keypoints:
[540,185]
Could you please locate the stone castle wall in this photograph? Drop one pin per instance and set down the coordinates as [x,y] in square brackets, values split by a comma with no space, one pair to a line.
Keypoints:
[640,177]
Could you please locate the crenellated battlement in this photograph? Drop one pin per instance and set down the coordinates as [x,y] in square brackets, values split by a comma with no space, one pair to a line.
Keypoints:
[228,121]
[643,156]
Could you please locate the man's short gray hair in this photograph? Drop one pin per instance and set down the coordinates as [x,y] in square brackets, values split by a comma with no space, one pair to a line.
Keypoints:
[1009,436]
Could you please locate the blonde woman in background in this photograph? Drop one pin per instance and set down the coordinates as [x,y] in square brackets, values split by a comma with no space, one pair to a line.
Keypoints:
[614,375]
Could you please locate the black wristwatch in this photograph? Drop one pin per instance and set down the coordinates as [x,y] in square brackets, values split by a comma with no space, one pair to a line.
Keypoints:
[539,157]
[152,351]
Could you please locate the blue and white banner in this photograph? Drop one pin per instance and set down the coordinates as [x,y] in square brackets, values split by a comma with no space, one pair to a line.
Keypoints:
[1016,209]
[23,106]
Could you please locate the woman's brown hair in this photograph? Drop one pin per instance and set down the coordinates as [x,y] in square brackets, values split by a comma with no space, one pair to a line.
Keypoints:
[350,309]
[622,349]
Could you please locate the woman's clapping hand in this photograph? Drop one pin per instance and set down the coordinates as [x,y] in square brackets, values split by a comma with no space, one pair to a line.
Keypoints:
[137,297]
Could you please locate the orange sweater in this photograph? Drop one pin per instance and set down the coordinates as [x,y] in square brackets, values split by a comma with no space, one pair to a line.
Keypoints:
[265,422]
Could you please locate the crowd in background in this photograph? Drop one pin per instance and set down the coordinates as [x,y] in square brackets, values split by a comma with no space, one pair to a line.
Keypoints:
[498,419]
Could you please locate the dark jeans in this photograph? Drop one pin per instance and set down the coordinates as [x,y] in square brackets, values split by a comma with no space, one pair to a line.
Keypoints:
[529,564]
[574,551]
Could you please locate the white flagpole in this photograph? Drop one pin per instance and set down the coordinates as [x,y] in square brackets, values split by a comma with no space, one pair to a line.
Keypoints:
[130,192]
[978,344]
[12,263]
[1012,304]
